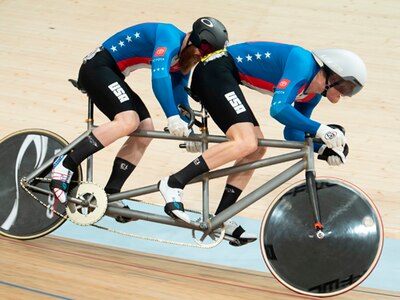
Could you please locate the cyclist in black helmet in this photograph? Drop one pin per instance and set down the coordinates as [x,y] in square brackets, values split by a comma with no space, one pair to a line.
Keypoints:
[208,35]
[240,126]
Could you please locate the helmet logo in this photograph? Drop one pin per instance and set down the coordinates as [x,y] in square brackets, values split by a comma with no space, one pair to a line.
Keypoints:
[207,22]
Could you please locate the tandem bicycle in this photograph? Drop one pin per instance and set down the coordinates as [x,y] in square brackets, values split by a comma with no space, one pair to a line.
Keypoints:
[320,237]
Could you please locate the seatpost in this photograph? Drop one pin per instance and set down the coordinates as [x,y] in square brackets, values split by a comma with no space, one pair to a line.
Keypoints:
[205,179]
[204,128]
[204,146]
[90,126]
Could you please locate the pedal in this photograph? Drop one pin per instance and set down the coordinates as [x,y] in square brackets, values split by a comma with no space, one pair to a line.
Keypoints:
[235,241]
[240,242]
[120,218]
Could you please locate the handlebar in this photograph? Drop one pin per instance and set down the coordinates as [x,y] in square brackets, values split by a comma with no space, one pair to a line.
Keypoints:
[190,114]
[187,112]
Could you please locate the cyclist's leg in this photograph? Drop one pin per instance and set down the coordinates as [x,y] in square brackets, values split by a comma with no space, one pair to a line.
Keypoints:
[125,163]
[236,182]
[105,84]
[242,142]
[224,86]
[134,147]
[100,78]
[234,186]
[240,180]
[218,88]
[127,115]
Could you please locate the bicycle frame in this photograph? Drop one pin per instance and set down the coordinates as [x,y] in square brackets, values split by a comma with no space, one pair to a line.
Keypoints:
[304,155]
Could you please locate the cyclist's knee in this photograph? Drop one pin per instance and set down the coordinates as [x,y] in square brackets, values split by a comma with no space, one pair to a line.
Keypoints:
[127,122]
[260,152]
[246,146]
[146,124]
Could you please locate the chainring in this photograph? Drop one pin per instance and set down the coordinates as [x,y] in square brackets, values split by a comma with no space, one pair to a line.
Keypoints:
[94,209]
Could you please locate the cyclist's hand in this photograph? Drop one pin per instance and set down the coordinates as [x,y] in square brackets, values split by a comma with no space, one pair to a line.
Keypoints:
[193,146]
[333,156]
[332,137]
[177,126]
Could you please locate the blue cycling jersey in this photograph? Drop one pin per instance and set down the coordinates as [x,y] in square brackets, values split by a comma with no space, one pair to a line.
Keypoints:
[284,71]
[155,46]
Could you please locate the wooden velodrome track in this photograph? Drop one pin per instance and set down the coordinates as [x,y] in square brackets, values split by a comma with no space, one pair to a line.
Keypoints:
[41,46]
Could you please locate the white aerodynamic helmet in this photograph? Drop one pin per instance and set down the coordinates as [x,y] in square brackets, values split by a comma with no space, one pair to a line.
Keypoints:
[348,65]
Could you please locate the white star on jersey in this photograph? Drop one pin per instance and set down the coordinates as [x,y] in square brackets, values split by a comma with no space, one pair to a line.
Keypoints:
[249,58]
[137,35]
[121,43]
[128,38]
[113,48]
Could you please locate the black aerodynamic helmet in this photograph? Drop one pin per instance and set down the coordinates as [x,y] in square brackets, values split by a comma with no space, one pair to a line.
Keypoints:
[210,31]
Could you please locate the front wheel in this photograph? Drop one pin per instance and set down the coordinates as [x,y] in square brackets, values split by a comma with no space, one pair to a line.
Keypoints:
[21,215]
[329,264]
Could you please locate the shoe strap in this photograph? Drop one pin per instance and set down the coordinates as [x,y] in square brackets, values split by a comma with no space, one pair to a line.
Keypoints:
[170,206]
[59,184]
[238,232]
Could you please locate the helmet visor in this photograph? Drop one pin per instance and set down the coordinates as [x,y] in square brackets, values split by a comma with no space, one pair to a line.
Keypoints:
[345,86]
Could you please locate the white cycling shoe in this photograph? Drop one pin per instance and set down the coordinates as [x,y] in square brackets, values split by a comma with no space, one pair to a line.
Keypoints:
[173,197]
[60,179]
[235,233]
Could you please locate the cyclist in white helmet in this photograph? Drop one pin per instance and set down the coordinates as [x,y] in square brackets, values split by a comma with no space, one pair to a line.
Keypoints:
[296,78]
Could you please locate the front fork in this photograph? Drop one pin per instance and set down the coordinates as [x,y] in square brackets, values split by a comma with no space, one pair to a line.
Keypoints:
[312,189]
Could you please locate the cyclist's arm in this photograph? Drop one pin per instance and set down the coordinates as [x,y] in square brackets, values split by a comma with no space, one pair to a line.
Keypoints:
[298,72]
[167,45]
[179,82]
[283,111]
[306,109]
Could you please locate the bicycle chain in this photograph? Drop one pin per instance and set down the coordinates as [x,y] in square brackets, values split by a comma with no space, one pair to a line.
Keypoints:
[65,217]
[48,206]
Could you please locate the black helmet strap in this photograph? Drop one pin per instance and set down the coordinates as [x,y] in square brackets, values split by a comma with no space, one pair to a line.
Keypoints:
[328,72]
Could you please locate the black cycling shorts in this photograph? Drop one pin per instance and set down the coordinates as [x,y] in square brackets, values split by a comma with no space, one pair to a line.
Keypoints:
[216,83]
[101,78]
